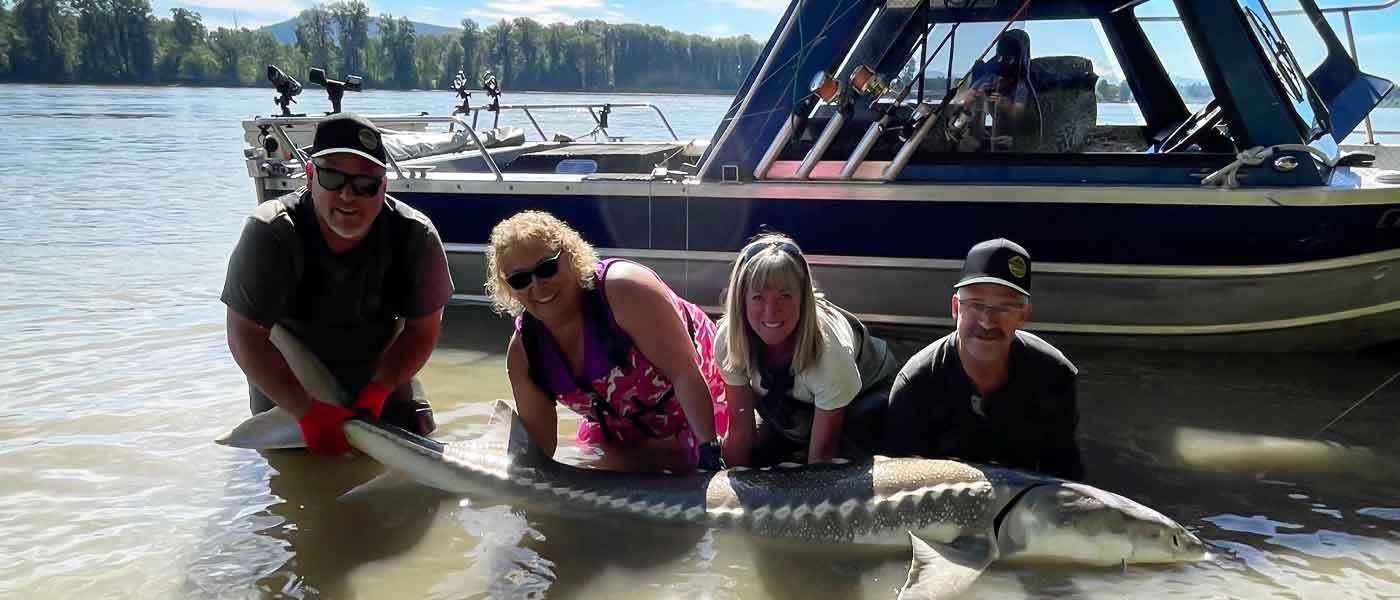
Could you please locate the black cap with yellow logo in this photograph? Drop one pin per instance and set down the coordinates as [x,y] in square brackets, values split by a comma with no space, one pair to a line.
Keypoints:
[351,134]
[999,261]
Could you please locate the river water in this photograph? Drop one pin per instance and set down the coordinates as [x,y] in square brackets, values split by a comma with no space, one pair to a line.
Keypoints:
[121,207]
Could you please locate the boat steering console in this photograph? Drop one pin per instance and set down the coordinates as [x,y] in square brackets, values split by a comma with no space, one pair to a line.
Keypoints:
[1201,131]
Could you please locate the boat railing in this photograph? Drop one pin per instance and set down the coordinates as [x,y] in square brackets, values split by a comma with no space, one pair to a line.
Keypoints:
[485,153]
[275,124]
[593,110]
[1351,41]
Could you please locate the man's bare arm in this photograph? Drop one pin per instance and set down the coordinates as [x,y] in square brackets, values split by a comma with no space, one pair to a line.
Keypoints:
[264,364]
[409,351]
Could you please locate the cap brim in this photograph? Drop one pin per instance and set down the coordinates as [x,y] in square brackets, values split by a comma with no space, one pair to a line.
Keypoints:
[330,151]
[996,280]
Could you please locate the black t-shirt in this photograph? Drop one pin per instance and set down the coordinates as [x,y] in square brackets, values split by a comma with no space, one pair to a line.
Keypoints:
[342,306]
[935,411]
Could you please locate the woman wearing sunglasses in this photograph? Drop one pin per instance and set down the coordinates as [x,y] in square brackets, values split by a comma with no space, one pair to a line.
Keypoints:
[816,377]
[610,341]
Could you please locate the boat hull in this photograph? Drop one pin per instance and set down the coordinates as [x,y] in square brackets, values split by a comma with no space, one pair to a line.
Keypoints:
[1327,306]
[1137,267]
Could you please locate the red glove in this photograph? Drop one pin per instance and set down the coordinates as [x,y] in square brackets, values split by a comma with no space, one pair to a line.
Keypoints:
[372,399]
[320,427]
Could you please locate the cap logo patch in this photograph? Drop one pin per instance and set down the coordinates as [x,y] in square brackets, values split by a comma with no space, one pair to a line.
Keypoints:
[368,139]
[1017,266]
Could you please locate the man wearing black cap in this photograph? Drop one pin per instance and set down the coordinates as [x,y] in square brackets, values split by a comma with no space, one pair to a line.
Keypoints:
[339,265]
[988,392]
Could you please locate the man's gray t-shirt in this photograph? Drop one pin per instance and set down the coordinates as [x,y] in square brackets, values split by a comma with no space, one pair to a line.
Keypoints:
[342,306]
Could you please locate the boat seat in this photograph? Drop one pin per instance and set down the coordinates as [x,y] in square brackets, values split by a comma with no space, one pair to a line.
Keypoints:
[1069,107]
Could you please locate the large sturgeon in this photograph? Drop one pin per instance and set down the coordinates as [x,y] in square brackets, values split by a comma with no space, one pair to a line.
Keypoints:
[958,517]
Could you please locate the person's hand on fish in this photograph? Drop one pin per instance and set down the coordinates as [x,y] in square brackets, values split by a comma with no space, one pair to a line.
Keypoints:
[321,427]
[371,399]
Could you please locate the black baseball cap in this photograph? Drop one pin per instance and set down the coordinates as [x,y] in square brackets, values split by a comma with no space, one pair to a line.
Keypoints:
[999,261]
[351,134]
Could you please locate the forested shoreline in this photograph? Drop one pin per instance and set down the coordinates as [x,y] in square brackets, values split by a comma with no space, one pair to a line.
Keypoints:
[124,42]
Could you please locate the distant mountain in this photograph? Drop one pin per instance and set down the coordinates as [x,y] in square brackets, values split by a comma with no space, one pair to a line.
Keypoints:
[286,31]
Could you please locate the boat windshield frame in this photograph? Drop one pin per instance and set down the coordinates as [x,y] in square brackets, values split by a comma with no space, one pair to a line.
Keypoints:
[775,130]
[1293,84]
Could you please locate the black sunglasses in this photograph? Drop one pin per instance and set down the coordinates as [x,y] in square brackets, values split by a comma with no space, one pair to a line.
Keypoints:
[547,268]
[332,180]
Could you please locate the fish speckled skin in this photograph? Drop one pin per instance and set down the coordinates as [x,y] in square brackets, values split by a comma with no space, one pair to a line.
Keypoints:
[877,501]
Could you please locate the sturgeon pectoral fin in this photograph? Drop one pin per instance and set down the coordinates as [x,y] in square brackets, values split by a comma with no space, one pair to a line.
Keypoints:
[269,430]
[387,483]
[945,570]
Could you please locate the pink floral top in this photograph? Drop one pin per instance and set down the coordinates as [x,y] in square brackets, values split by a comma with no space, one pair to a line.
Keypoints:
[621,395]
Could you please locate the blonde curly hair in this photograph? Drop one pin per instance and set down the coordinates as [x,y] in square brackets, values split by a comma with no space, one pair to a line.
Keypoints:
[541,227]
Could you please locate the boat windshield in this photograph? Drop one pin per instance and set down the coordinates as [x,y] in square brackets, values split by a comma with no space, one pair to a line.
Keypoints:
[1279,55]
[1056,91]
[967,85]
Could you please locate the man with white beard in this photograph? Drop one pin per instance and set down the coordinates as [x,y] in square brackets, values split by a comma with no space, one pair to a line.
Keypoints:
[339,265]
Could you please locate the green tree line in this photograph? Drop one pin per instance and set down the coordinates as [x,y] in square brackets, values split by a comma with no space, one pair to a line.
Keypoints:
[123,41]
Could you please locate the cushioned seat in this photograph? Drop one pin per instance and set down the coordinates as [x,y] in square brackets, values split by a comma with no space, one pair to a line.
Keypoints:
[1069,107]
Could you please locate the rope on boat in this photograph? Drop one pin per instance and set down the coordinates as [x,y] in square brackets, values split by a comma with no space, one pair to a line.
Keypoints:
[1228,177]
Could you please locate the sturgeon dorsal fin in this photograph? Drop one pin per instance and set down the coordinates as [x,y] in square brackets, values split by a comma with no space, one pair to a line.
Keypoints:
[506,430]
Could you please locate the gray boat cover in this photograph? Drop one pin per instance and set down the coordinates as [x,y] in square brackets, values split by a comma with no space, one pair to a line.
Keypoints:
[411,145]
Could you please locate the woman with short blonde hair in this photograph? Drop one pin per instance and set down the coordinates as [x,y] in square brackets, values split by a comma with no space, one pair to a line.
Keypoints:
[810,370]
[610,341]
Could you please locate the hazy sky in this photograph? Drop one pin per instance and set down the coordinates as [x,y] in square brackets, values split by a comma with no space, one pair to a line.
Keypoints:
[1377,33]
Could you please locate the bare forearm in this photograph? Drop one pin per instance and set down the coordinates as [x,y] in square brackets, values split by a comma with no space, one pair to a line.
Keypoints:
[821,451]
[826,435]
[738,442]
[408,353]
[541,423]
[695,400]
[266,369]
[535,407]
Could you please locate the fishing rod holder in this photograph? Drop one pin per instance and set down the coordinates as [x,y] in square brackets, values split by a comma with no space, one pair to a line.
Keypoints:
[287,89]
[459,85]
[335,90]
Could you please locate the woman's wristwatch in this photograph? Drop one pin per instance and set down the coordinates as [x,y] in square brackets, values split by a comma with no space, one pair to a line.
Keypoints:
[711,459]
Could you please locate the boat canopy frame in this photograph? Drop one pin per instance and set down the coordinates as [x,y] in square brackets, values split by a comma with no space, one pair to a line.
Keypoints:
[827,37]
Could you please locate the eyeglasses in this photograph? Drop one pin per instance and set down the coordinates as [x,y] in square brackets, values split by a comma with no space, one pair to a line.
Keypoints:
[991,310]
[546,268]
[332,180]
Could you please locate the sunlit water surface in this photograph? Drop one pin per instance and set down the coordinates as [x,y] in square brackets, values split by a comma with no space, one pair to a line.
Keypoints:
[121,206]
